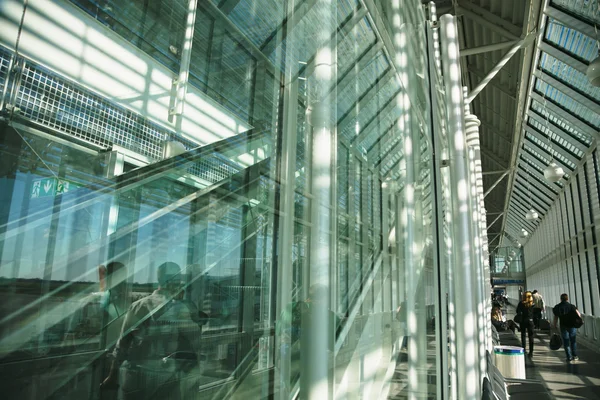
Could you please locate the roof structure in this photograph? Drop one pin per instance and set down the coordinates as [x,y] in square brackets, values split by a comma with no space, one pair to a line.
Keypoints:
[539,107]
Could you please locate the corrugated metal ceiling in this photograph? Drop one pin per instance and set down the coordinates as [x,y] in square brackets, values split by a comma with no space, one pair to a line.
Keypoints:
[543,86]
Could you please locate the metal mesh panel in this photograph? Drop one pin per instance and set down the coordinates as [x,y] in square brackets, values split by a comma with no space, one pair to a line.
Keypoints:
[61,105]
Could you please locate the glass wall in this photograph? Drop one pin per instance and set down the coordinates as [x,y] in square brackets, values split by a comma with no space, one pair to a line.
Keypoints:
[298,256]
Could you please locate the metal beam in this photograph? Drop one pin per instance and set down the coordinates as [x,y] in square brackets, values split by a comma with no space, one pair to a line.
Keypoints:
[495,184]
[186,54]
[568,90]
[560,55]
[386,108]
[487,48]
[557,130]
[548,193]
[286,26]
[363,101]
[489,126]
[496,219]
[489,20]
[492,156]
[528,144]
[501,63]
[576,122]
[540,199]
[520,221]
[227,6]
[558,155]
[570,21]
[481,76]
[519,210]
[538,177]
[361,63]
[496,172]
[533,21]
[389,136]
[529,166]
[382,32]
[533,163]
[222,20]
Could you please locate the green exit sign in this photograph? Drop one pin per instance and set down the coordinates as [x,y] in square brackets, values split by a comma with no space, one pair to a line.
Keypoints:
[49,187]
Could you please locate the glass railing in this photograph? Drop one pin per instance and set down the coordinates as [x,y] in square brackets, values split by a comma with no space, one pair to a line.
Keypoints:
[158,254]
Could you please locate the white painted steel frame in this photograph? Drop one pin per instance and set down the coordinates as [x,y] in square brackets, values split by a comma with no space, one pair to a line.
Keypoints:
[468,374]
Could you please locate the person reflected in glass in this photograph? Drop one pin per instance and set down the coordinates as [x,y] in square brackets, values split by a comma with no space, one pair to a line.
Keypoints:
[289,329]
[101,311]
[157,351]
[499,322]
[525,319]
[94,323]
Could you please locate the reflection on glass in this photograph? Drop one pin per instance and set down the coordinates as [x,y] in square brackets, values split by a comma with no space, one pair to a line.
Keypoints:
[130,271]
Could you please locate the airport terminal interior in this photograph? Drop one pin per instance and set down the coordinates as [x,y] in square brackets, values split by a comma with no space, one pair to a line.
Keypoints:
[297,199]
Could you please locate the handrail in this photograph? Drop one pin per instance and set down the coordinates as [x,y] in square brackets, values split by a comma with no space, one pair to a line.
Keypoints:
[122,232]
[128,181]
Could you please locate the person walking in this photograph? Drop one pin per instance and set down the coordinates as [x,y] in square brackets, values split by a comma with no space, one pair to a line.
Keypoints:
[525,319]
[567,314]
[538,307]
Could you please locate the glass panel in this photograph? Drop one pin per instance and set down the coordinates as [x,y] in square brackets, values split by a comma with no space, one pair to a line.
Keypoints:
[585,9]
[564,124]
[568,75]
[571,41]
[563,142]
[137,264]
[566,102]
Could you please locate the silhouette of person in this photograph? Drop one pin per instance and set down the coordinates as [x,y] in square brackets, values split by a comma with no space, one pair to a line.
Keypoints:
[159,342]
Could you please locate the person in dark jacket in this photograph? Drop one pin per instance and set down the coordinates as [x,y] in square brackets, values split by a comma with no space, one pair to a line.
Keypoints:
[525,313]
[566,313]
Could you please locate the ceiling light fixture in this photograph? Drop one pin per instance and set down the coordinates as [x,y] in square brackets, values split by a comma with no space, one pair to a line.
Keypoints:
[593,70]
[531,215]
[553,172]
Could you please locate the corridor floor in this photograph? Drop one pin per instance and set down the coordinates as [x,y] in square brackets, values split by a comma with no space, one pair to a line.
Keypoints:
[580,380]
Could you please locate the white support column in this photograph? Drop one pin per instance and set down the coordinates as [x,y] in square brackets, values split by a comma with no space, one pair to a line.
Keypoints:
[468,374]
[186,56]
[483,300]
[316,376]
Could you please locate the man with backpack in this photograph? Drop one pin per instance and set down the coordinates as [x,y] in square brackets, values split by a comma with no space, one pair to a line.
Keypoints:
[570,320]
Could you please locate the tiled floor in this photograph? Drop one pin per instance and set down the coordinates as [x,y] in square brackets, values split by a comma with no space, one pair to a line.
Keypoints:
[580,380]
